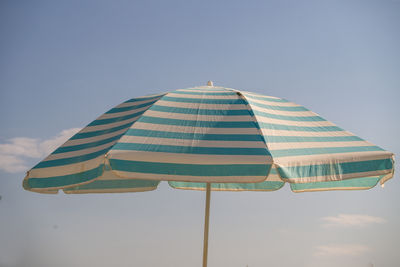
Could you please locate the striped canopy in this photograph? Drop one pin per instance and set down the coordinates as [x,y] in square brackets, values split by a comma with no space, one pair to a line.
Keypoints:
[189,137]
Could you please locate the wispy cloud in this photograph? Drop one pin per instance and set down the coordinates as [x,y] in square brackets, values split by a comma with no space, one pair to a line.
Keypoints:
[15,153]
[340,250]
[347,220]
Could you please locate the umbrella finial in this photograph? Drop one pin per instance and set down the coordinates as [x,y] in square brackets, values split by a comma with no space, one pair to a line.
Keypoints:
[210,83]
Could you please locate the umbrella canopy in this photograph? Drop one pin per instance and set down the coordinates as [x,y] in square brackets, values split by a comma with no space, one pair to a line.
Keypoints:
[233,139]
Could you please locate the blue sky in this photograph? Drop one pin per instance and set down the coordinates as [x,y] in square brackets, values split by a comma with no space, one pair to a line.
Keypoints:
[63,63]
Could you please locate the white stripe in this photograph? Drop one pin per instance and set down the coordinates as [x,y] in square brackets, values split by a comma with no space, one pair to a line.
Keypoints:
[44,190]
[80,152]
[331,189]
[74,142]
[66,169]
[201,105]
[336,177]
[194,187]
[120,114]
[271,103]
[272,132]
[187,129]
[227,189]
[295,145]
[49,190]
[305,160]
[151,95]
[200,179]
[178,158]
[246,93]
[136,103]
[196,117]
[295,123]
[284,113]
[108,175]
[190,142]
[110,190]
[209,88]
[200,90]
[213,97]
[274,177]
[88,129]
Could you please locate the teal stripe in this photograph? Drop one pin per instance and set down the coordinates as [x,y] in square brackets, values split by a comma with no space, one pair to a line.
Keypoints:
[203,93]
[100,132]
[71,160]
[288,118]
[274,126]
[205,101]
[198,123]
[335,169]
[122,109]
[116,119]
[190,169]
[144,98]
[262,186]
[191,149]
[362,183]
[194,136]
[265,98]
[65,180]
[273,171]
[322,150]
[115,184]
[283,108]
[289,139]
[212,112]
[64,149]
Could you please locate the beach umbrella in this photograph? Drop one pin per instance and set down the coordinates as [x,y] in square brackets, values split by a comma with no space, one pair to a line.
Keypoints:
[210,138]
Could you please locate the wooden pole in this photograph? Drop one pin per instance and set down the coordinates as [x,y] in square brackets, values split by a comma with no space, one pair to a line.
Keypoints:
[206,224]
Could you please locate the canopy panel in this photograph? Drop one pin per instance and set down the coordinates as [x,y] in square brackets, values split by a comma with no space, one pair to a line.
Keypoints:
[309,150]
[197,135]
[80,160]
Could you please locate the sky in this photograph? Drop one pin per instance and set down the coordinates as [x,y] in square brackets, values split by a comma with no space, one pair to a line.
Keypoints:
[63,63]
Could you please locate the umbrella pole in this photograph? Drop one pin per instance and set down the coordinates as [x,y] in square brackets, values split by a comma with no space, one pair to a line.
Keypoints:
[206,223]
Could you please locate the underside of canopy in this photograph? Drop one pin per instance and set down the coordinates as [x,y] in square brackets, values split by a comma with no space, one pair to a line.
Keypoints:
[238,141]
